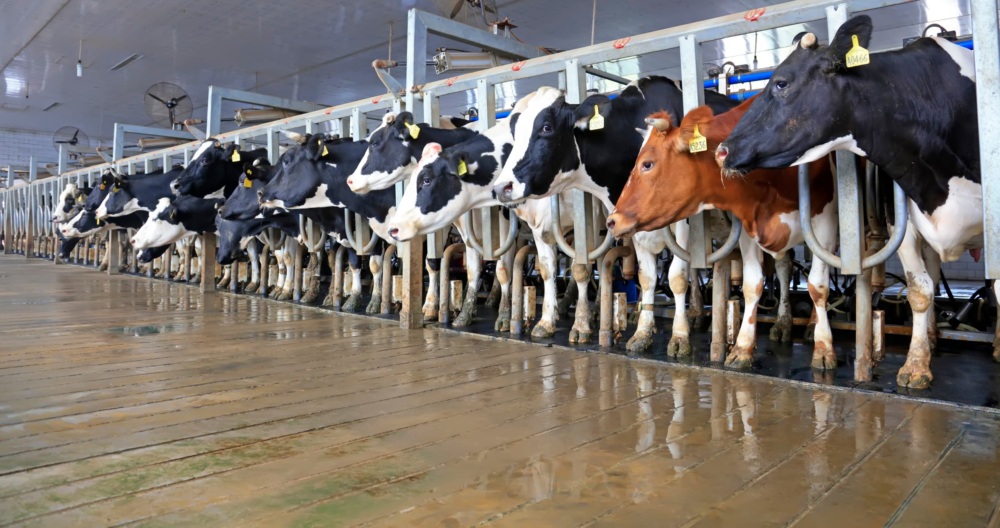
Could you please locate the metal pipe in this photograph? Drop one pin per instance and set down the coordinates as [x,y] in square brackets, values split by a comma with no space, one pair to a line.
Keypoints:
[557,228]
[387,255]
[605,337]
[517,290]
[511,237]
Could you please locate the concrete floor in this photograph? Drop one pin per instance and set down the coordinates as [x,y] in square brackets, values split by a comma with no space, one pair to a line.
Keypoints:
[128,401]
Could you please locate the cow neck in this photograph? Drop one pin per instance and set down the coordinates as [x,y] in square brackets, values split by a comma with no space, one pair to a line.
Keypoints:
[148,189]
[922,170]
[234,170]
[446,137]
[374,205]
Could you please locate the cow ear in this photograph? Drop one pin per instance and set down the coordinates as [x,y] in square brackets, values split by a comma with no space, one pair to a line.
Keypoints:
[317,147]
[592,113]
[860,27]
[431,149]
[698,120]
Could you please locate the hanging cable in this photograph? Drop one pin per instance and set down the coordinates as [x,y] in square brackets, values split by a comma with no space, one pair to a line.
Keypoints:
[593,24]
[755,49]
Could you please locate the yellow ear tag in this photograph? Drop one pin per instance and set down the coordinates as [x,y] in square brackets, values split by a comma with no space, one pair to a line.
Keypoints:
[462,168]
[81,199]
[98,221]
[236,155]
[247,182]
[857,56]
[596,122]
[325,151]
[414,130]
[103,186]
[698,142]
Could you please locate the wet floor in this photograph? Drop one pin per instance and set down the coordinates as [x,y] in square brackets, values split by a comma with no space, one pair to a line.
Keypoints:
[128,401]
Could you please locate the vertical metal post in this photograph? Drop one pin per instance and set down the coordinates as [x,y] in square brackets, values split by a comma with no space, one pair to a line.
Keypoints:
[207,262]
[694,96]
[29,247]
[118,145]
[63,158]
[213,118]
[411,252]
[985,34]
[114,251]
[273,150]
[416,62]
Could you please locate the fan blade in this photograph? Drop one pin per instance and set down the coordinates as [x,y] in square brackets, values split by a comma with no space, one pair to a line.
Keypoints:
[77,133]
[181,98]
[155,97]
[61,141]
[458,7]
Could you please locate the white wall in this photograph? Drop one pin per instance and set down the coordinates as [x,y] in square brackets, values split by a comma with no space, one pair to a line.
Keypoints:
[17,146]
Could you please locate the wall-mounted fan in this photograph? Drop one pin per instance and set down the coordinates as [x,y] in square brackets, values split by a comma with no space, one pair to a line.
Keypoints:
[454,7]
[70,136]
[168,104]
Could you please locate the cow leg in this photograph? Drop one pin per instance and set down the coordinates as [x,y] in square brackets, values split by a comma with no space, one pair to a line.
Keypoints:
[580,332]
[916,372]
[331,260]
[782,329]
[677,277]
[547,262]
[646,326]
[290,256]
[253,282]
[227,276]
[932,261]
[353,302]
[741,355]
[825,225]
[696,310]
[310,277]
[279,281]
[503,277]
[496,292]
[474,274]
[569,296]
[433,266]
[375,266]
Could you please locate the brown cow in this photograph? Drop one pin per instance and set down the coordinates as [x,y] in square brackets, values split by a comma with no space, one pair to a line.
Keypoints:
[669,183]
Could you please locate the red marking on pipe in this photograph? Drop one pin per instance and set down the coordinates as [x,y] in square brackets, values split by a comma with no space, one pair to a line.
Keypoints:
[328,110]
[621,43]
[376,100]
[753,14]
[517,65]
[452,80]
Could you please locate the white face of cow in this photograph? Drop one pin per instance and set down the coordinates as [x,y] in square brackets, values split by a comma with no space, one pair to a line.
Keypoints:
[69,228]
[158,232]
[531,105]
[377,174]
[70,192]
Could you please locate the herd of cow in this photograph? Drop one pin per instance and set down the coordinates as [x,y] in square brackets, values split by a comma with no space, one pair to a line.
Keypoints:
[912,112]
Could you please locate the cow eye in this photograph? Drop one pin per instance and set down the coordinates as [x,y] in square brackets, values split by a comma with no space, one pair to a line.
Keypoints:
[647,165]
[780,85]
[547,128]
[425,182]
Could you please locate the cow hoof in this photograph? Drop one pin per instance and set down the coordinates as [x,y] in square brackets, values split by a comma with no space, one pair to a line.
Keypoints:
[502,324]
[543,330]
[330,300]
[824,358]
[285,295]
[251,288]
[430,316]
[374,306]
[640,342]
[353,303]
[493,299]
[309,297]
[782,330]
[274,293]
[739,358]
[914,376]
[465,317]
[579,336]
[679,346]
[222,284]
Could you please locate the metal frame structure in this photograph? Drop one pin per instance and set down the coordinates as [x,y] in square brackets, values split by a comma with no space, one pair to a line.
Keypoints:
[23,210]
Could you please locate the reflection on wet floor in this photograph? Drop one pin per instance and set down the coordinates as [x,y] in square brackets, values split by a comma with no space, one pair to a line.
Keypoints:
[131,401]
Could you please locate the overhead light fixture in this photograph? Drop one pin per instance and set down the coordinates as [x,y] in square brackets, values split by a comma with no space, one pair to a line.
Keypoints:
[128,60]
[254,115]
[79,61]
[51,106]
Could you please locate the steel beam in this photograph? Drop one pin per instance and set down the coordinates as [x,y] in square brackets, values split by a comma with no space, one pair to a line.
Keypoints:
[985,34]
[218,94]
[118,146]
[467,34]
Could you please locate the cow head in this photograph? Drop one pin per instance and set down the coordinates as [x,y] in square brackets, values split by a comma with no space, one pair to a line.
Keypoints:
[230,237]
[804,111]
[242,204]
[70,201]
[175,219]
[82,225]
[545,154]
[208,154]
[149,254]
[100,192]
[214,173]
[299,180]
[668,182]
[119,200]
[388,158]
[433,198]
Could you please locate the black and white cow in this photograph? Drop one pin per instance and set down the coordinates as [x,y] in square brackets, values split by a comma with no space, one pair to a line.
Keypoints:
[314,175]
[214,170]
[141,192]
[394,149]
[592,147]
[913,113]
[70,202]
[176,218]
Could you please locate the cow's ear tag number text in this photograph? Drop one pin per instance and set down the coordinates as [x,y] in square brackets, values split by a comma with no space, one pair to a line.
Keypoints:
[857,56]
[462,168]
[414,130]
[597,122]
[698,142]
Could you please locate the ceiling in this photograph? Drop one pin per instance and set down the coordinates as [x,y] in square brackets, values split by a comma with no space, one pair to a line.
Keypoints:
[320,50]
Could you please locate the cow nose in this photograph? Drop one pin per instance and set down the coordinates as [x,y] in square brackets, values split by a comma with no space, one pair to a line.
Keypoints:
[394,233]
[132,241]
[611,224]
[350,183]
[260,196]
[720,154]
